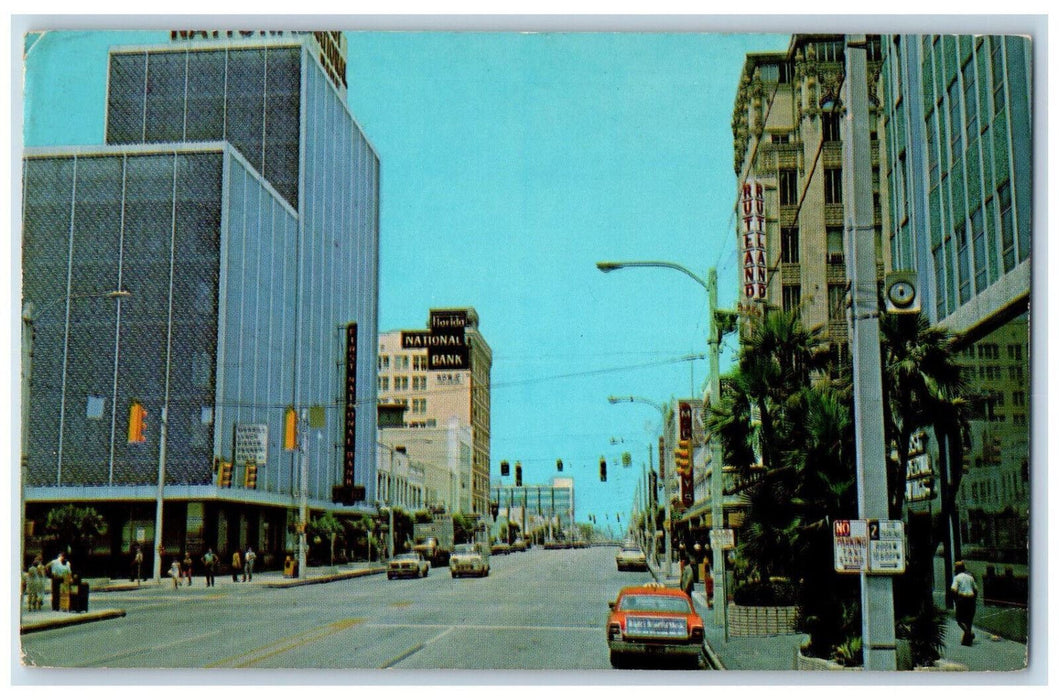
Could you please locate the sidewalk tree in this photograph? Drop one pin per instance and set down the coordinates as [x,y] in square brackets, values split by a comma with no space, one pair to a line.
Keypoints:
[74,527]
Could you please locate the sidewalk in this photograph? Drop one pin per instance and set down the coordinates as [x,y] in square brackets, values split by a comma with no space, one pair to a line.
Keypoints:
[38,620]
[778,652]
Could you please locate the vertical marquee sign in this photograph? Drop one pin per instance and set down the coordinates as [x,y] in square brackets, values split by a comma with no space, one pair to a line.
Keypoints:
[348,457]
[687,480]
[755,267]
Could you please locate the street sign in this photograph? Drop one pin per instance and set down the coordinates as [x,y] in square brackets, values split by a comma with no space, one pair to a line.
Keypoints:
[851,546]
[725,539]
[886,547]
[870,546]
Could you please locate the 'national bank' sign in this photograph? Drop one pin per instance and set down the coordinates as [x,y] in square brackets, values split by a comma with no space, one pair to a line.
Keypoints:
[445,342]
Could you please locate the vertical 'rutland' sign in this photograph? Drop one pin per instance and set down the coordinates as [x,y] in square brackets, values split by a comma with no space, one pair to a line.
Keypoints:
[445,342]
[755,266]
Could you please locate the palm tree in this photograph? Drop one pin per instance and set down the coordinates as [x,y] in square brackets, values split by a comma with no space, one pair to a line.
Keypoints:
[922,388]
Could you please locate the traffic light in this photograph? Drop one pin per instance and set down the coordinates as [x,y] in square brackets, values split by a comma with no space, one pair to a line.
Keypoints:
[216,465]
[505,468]
[224,475]
[518,474]
[494,508]
[682,456]
[602,469]
[558,465]
[137,422]
[290,429]
[250,479]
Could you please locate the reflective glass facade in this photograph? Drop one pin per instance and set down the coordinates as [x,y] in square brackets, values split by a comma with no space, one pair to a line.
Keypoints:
[236,201]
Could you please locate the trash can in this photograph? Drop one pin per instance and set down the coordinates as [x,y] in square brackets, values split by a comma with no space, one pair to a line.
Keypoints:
[290,568]
[65,589]
[79,596]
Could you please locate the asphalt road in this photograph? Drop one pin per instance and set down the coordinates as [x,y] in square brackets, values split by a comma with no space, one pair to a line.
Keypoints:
[538,610]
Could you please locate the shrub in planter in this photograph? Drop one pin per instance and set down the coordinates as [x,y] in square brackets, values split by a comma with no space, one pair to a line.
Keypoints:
[766,593]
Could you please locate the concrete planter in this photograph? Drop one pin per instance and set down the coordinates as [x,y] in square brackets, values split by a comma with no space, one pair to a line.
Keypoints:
[904,662]
[761,620]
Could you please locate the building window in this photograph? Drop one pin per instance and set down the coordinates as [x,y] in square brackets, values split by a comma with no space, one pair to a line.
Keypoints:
[1007,226]
[970,99]
[792,297]
[781,138]
[955,125]
[830,125]
[788,187]
[981,278]
[1015,352]
[419,363]
[997,60]
[963,262]
[834,245]
[1018,398]
[831,51]
[789,245]
[1015,373]
[836,302]
[833,185]
[384,383]
[384,362]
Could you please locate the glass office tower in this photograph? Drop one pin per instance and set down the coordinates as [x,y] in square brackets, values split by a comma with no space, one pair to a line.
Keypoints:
[236,202]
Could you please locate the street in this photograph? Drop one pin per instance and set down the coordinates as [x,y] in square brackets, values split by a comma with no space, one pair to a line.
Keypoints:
[540,609]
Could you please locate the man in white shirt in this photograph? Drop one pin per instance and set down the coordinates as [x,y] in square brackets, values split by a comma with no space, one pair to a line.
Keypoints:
[57,569]
[965,592]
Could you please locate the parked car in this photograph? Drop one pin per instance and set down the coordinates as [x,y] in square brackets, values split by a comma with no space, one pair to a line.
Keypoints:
[409,564]
[631,558]
[469,560]
[501,548]
[654,621]
[518,545]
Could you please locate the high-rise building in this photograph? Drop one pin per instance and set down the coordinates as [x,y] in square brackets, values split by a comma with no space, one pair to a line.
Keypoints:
[442,374]
[547,509]
[786,126]
[234,210]
[956,179]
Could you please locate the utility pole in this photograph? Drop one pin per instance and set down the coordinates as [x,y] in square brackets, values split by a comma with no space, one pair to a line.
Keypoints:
[303,500]
[877,604]
[716,461]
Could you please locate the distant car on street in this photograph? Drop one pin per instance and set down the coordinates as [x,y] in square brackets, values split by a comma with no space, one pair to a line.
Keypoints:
[469,560]
[656,622]
[409,564]
[631,558]
[501,548]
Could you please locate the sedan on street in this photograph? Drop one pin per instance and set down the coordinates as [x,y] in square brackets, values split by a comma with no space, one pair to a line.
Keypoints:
[656,622]
[409,564]
[631,558]
[469,560]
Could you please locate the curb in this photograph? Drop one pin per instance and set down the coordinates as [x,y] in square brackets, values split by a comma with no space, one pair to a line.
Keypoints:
[326,578]
[67,621]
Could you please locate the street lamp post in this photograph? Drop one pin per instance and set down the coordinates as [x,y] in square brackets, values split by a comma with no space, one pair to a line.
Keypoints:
[665,482]
[716,332]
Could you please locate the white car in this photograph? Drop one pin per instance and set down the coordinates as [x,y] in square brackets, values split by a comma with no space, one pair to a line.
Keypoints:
[631,558]
[469,560]
[410,564]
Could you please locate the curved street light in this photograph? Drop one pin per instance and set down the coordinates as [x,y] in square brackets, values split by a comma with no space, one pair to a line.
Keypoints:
[720,322]
[665,482]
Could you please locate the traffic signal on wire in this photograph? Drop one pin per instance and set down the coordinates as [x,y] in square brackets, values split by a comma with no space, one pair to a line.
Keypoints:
[290,429]
[137,422]
[602,469]
[505,468]
[518,474]
[682,456]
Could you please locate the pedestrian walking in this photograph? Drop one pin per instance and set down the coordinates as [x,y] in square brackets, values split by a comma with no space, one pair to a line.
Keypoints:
[237,566]
[35,584]
[248,564]
[174,572]
[209,564]
[185,567]
[58,569]
[687,576]
[136,570]
[965,592]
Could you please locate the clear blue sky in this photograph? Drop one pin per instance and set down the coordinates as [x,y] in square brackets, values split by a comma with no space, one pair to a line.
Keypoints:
[511,164]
